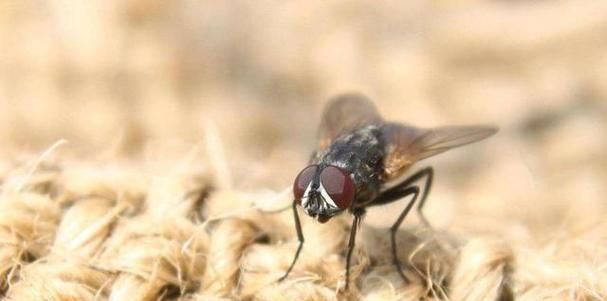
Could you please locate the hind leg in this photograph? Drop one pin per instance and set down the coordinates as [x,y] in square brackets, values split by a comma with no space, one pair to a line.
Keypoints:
[391,195]
[395,192]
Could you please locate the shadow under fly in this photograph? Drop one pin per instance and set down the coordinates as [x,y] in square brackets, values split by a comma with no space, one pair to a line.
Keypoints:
[358,157]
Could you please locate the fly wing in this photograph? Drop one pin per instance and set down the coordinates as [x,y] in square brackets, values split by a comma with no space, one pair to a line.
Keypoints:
[345,113]
[408,144]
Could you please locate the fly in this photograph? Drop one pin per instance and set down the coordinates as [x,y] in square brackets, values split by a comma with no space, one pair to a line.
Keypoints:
[358,154]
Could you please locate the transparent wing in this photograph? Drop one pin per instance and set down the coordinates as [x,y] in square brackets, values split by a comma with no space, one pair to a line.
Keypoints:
[408,144]
[345,113]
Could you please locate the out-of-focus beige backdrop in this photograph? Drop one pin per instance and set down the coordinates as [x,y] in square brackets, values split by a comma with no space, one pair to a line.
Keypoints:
[139,77]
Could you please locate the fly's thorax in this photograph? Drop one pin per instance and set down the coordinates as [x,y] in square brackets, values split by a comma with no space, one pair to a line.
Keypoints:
[361,154]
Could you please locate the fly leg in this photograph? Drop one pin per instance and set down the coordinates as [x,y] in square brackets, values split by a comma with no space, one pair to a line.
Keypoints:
[428,173]
[300,238]
[358,213]
[391,195]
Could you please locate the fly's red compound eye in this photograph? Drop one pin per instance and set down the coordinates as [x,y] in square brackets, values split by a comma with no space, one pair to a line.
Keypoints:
[303,181]
[338,185]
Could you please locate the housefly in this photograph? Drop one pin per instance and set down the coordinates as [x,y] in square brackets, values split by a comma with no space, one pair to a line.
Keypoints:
[359,156]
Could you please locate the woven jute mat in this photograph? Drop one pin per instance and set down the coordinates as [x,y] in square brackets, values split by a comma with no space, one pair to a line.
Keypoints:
[188,120]
[78,230]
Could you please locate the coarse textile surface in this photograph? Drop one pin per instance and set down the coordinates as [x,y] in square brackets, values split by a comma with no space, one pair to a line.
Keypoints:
[112,231]
[142,144]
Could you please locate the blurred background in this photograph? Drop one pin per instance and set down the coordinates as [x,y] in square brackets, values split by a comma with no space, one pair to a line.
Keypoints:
[137,77]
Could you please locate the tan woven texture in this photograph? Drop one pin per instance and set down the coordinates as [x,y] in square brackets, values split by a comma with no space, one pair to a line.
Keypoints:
[141,143]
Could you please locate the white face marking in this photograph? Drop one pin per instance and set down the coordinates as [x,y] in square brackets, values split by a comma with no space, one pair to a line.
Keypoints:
[327,205]
[327,198]
[304,199]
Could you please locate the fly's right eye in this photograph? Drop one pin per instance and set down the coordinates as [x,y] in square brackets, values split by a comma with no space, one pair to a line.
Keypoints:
[303,181]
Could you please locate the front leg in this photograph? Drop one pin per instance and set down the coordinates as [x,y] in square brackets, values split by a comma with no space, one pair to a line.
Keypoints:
[358,213]
[300,238]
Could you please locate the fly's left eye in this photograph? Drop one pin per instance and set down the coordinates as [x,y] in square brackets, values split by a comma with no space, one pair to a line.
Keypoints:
[338,185]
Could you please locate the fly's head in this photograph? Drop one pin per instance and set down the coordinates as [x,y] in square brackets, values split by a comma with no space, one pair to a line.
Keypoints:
[323,191]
